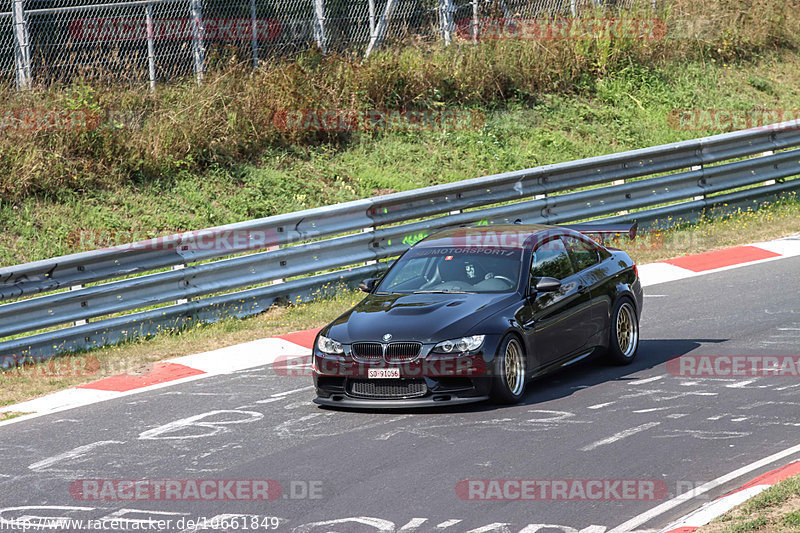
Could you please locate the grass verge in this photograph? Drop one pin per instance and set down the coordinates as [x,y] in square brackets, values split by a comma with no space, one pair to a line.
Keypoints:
[771,221]
[9,415]
[777,509]
[187,157]
[133,136]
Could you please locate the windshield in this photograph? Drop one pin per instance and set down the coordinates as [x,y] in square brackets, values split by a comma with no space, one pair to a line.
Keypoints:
[454,270]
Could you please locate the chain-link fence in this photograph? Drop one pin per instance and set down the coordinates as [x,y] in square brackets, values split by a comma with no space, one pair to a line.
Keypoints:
[140,41]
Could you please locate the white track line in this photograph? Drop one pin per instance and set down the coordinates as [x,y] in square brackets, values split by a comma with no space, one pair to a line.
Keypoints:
[711,510]
[619,436]
[80,451]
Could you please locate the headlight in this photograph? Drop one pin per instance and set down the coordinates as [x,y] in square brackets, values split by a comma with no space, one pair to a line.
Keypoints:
[462,345]
[327,345]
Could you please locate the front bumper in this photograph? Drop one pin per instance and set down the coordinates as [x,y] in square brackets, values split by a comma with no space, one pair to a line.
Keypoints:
[361,403]
[429,380]
[399,393]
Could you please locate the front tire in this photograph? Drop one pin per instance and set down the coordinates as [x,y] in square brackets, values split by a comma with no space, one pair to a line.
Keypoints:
[623,341]
[509,372]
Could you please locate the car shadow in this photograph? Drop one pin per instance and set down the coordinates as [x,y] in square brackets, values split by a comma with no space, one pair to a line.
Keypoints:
[592,371]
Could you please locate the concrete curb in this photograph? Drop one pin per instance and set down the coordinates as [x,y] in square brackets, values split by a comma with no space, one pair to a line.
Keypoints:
[711,510]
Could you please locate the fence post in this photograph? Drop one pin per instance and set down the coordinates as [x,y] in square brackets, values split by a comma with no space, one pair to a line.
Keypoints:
[151,52]
[380,29]
[254,39]
[446,17]
[474,21]
[22,50]
[198,39]
[573,7]
[319,24]
[371,17]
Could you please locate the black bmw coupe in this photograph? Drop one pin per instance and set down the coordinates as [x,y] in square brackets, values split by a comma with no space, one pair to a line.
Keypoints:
[470,314]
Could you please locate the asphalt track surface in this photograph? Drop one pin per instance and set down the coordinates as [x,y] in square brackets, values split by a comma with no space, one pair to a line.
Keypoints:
[398,471]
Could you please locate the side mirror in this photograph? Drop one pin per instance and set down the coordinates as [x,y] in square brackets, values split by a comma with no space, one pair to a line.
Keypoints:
[367,285]
[547,285]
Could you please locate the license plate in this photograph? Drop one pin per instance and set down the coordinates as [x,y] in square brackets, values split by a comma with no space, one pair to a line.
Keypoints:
[383,373]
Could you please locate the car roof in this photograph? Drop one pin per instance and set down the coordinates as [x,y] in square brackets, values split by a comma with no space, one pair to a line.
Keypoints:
[522,232]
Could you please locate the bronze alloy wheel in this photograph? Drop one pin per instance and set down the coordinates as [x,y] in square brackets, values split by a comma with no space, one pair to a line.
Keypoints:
[627,330]
[514,363]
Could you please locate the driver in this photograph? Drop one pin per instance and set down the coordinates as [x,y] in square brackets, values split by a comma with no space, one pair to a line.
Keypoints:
[453,269]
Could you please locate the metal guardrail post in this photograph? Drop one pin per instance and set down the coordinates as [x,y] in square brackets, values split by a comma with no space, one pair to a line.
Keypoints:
[620,182]
[84,321]
[22,51]
[702,196]
[198,39]
[765,154]
[151,52]
[369,230]
[180,300]
[319,25]
[254,37]
[278,281]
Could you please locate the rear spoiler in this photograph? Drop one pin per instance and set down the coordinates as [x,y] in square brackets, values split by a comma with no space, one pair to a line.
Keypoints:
[603,230]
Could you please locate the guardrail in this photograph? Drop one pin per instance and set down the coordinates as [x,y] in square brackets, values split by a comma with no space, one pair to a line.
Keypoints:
[678,179]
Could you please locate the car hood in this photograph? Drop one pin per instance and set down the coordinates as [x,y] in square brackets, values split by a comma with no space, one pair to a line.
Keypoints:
[425,318]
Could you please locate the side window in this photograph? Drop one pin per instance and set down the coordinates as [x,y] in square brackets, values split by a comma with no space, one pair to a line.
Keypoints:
[582,253]
[415,268]
[550,259]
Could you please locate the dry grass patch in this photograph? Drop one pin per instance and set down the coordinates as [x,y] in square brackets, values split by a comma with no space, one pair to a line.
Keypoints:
[777,509]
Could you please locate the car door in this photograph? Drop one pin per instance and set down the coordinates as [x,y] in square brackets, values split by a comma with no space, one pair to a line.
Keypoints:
[553,319]
[587,261]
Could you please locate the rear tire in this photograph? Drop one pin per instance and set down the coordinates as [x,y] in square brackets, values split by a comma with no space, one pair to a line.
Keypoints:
[623,342]
[509,372]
